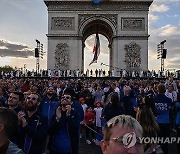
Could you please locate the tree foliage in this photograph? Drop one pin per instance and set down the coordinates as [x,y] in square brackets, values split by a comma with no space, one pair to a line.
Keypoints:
[6,68]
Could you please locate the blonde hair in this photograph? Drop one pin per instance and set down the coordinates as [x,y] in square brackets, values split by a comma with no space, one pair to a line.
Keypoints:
[123,121]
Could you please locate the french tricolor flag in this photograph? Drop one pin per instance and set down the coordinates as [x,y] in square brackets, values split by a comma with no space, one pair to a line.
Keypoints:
[96,49]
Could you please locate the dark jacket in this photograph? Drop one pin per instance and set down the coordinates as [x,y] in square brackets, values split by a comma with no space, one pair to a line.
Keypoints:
[178,113]
[71,123]
[35,132]
[14,137]
[110,112]
[128,103]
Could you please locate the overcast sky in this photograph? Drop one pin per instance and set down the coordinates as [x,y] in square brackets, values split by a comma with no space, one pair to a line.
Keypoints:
[23,21]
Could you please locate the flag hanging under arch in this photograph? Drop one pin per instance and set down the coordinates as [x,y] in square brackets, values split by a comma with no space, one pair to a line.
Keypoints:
[96,49]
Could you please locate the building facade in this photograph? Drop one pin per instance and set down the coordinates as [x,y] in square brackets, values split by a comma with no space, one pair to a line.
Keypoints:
[123,22]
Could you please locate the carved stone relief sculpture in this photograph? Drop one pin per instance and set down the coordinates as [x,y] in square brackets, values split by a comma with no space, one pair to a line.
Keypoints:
[133,24]
[63,23]
[62,56]
[132,55]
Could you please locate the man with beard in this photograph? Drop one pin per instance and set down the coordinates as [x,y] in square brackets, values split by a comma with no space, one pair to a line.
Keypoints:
[33,127]
[14,101]
[49,103]
[64,127]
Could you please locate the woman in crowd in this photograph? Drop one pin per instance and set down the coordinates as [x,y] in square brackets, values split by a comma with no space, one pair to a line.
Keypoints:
[146,118]
[113,108]
[98,94]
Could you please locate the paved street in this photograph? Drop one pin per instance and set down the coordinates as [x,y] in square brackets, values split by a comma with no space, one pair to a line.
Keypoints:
[84,148]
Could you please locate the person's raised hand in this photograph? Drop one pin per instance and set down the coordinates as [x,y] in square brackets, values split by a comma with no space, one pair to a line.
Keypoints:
[58,113]
[68,110]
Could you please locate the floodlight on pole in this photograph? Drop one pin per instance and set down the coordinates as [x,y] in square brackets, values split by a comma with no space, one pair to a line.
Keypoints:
[37,50]
[37,41]
[163,42]
[161,53]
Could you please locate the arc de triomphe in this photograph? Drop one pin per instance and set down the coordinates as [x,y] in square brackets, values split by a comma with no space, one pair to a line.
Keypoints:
[123,22]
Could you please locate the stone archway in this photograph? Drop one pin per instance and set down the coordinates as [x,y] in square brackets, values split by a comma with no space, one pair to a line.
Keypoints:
[124,23]
[100,25]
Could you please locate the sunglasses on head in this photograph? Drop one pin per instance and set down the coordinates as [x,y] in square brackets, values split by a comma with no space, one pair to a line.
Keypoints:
[66,97]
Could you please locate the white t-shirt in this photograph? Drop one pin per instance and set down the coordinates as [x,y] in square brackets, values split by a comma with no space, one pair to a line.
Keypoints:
[117,91]
[98,112]
[84,106]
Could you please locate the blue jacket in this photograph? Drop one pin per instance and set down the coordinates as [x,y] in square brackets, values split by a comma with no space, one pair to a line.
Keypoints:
[178,113]
[77,106]
[162,105]
[48,106]
[67,129]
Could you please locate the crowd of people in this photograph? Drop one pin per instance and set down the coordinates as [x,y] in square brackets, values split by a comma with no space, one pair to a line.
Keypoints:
[51,115]
[89,73]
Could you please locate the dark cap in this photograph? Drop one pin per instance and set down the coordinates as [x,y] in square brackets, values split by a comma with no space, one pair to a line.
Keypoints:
[69,91]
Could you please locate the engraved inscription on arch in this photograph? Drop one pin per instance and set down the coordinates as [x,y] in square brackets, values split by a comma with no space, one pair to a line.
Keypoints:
[133,24]
[63,23]
[62,56]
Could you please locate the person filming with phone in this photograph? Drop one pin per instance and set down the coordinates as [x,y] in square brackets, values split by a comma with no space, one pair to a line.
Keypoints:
[64,127]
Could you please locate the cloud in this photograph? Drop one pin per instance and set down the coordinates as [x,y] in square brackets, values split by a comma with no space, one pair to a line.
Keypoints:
[153,17]
[173,63]
[155,7]
[11,49]
[166,0]
[172,16]
[170,33]
[169,30]
[159,8]
[15,3]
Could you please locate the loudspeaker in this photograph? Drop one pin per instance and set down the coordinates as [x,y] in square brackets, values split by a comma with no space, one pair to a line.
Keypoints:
[36,52]
[164,53]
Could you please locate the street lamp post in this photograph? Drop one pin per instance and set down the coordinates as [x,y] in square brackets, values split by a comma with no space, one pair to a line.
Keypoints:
[161,54]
